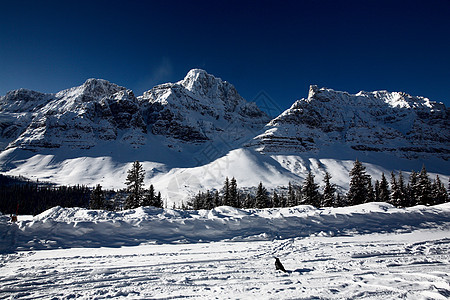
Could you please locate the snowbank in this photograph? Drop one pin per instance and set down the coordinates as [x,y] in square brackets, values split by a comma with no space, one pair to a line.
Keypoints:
[75,227]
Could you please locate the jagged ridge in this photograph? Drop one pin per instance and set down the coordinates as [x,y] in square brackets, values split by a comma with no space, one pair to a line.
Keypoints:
[368,121]
[198,108]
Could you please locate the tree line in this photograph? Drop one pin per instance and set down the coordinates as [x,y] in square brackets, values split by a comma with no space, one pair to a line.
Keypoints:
[135,194]
[420,190]
[19,195]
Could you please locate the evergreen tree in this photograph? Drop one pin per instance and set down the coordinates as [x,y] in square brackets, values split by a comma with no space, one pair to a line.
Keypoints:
[276,200]
[413,188]
[261,199]
[226,193]
[310,191]
[398,195]
[209,200]
[158,201]
[197,202]
[135,182]
[358,192]
[291,199]
[216,199]
[249,201]
[329,191]
[97,200]
[423,188]
[233,193]
[384,190]
[283,200]
[377,191]
[149,198]
[370,191]
[395,196]
[439,192]
[404,201]
[340,201]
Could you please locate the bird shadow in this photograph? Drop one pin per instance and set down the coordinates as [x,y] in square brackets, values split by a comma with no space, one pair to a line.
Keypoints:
[301,271]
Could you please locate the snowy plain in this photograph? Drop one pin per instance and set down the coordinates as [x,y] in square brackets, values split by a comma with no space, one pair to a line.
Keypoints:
[369,251]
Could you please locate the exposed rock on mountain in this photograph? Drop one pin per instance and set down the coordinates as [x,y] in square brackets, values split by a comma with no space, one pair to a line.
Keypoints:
[378,121]
[77,117]
[196,109]
[201,107]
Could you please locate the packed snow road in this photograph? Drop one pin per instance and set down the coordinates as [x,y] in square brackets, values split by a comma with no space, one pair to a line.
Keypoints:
[411,265]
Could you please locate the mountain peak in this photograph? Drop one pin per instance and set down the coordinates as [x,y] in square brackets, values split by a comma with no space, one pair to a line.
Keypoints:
[199,81]
[92,87]
[100,86]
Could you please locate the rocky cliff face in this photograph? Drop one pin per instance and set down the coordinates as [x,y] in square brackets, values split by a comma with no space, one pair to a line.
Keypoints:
[379,121]
[200,107]
[196,109]
[77,117]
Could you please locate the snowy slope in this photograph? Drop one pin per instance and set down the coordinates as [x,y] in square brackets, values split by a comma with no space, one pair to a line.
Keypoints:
[375,266]
[370,251]
[76,227]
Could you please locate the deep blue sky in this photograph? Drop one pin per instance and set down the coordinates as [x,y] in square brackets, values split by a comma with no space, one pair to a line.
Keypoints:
[280,47]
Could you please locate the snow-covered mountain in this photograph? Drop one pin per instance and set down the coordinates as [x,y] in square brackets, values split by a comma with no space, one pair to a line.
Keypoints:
[193,133]
[75,118]
[200,108]
[396,123]
[194,110]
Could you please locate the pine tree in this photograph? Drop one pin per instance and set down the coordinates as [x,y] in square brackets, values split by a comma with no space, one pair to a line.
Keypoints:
[233,193]
[135,182]
[404,201]
[216,199]
[384,190]
[310,191]
[413,189]
[340,201]
[226,193]
[97,200]
[395,196]
[261,199]
[249,201]
[276,201]
[158,201]
[291,199]
[209,200]
[377,191]
[283,200]
[329,191]
[149,198]
[439,192]
[370,191]
[358,192]
[423,188]
[197,202]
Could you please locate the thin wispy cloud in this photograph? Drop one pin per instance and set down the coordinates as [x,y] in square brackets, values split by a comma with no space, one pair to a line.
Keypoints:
[160,74]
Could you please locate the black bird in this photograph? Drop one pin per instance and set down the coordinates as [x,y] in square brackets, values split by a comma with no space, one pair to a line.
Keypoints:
[279,265]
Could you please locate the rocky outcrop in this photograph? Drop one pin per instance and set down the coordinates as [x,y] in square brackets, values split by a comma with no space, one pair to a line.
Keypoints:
[380,121]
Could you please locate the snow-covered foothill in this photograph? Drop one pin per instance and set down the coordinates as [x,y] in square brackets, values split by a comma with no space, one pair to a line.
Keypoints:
[75,227]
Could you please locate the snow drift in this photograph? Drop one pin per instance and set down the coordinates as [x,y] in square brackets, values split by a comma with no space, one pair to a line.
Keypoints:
[75,227]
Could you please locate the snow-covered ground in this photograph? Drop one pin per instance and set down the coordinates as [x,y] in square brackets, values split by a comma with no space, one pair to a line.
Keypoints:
[372,251]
